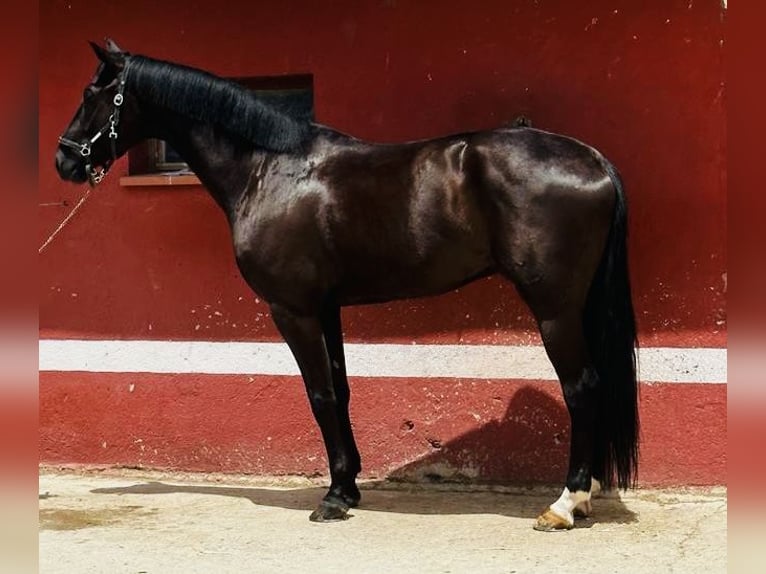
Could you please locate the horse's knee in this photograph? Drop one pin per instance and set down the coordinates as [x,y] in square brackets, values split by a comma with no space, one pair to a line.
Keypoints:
[323,401]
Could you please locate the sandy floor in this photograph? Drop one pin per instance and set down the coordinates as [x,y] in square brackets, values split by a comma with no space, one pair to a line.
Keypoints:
[138,522]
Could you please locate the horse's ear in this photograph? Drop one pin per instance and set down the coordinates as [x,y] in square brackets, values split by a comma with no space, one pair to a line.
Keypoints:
[111,46]
[101,54]
[112,57]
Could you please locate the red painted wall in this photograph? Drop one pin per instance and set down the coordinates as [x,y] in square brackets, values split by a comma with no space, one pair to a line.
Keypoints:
[643,83]
[415,429]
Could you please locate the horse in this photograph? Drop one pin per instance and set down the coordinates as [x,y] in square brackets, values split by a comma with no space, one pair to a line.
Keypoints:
[320,220]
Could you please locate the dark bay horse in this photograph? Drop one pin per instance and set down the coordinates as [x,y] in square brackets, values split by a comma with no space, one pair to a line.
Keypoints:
[320,220]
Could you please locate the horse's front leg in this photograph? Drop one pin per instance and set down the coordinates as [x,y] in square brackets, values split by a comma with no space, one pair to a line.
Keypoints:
[306,341]
[333,337]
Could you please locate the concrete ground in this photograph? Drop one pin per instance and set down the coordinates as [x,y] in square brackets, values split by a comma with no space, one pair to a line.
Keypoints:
[139,522]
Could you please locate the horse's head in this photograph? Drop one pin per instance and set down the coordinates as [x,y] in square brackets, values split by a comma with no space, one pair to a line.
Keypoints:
[98,133]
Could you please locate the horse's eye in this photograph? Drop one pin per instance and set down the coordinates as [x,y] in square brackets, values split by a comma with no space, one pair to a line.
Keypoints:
[88,93]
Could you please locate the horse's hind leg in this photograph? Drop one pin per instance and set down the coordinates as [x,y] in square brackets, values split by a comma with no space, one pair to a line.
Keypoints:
[304,336]
[565,344]
[584,508]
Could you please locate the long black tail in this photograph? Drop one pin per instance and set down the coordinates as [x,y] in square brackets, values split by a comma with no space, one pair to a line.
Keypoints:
[610,330]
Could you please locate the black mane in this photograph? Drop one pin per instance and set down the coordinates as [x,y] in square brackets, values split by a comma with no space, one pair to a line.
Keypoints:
[207,98]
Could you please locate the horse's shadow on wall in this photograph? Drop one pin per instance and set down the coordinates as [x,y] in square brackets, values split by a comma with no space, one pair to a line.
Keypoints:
[534,436]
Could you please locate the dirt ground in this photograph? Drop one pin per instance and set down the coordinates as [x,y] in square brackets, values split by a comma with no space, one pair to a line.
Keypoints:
[140,522]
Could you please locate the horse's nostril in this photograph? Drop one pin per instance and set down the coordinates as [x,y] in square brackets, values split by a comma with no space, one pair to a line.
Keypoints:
[63,165]
[66,167]
[59,160]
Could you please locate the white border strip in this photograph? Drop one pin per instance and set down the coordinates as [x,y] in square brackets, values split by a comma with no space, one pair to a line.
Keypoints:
[657,364]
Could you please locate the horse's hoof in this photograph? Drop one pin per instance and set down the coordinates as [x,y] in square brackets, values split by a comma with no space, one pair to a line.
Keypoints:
[549,521]
[328,511]
[583,510]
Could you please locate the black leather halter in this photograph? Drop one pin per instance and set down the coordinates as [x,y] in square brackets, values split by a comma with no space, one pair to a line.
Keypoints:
[84,147]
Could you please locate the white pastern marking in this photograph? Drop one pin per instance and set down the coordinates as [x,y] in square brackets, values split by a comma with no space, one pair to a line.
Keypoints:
[567,502]
[585,506]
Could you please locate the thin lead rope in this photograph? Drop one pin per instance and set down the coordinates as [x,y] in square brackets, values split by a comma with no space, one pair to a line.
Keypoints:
[65,221]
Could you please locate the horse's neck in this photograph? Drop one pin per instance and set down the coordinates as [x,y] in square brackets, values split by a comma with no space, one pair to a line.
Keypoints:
[220,163]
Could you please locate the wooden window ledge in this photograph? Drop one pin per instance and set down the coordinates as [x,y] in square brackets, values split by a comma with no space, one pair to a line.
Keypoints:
[158,179]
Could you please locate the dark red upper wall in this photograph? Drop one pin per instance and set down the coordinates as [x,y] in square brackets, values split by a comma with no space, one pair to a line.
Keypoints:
[642,83]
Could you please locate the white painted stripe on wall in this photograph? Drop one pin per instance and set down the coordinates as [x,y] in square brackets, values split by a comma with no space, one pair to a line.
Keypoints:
[657,364]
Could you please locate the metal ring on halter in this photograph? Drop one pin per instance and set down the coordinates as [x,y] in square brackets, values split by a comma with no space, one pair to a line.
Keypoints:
[85,149]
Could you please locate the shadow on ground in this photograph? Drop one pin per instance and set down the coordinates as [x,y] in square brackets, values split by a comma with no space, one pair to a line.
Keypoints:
[385,497]
[437,482]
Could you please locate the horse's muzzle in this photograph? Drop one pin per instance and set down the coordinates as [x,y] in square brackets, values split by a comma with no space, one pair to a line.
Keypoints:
[70,169]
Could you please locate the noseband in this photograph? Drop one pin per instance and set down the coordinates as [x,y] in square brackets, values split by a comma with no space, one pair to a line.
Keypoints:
[84,147]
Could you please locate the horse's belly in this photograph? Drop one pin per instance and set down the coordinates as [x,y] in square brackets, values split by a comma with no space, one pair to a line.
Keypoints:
[406,276]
